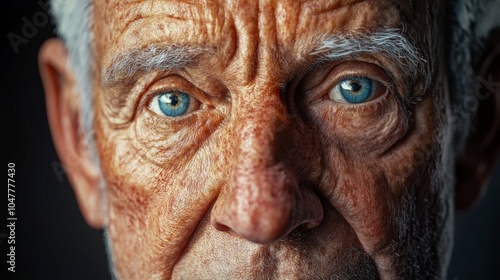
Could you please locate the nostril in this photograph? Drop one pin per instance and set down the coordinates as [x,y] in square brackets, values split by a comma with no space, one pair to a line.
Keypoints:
[264,224]
[221,227]
[219,216]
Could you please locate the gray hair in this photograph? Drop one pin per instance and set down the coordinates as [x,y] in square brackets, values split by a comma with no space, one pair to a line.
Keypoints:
[73,21]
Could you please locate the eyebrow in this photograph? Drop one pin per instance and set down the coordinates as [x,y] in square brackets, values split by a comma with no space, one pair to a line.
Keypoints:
[387,42]
[125,66]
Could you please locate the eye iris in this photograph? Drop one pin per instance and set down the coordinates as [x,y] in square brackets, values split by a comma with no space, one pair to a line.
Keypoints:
[356,90]
[174,104]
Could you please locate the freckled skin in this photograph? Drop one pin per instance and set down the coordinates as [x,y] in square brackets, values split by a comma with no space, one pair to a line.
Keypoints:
[266,181]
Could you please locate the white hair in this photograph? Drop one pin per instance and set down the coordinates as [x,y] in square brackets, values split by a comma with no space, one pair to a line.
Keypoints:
[388,42]
[74,26]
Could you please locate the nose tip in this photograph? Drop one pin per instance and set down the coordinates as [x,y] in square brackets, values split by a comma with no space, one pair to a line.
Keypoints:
[265,206]
[261,225]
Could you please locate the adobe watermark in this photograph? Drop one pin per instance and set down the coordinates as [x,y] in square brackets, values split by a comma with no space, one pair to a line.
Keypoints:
[486,88]
[30,26]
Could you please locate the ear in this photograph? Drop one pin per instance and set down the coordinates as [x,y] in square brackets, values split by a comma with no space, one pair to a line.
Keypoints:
[62,99]
[474,168]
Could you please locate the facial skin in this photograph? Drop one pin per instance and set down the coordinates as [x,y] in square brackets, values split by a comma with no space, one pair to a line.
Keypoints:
[266,175]
[267,178]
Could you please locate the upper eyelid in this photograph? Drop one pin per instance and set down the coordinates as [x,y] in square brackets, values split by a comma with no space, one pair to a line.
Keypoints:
[369,59]
[372,77]
[161,91]
[377,73]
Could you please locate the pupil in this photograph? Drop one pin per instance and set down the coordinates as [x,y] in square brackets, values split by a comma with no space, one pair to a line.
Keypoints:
[173,99]
[355,86]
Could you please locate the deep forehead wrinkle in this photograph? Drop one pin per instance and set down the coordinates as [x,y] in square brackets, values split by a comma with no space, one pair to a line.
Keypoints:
[288,29]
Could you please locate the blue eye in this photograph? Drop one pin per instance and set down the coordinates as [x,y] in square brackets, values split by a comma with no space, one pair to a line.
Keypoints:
[354,90]
[171,104]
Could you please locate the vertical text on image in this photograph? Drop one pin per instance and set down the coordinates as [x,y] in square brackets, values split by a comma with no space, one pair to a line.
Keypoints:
[11,218]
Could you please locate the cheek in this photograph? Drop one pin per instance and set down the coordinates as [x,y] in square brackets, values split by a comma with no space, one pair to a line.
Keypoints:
[419,151]
[156,195]
[368,177]
[149,165]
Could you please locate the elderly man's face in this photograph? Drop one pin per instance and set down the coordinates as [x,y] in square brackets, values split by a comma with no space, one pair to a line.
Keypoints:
[234,142]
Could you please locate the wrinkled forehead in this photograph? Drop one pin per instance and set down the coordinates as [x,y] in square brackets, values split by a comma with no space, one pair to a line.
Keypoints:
[286,26]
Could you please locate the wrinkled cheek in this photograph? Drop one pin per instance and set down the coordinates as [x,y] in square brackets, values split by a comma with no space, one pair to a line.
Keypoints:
[154,210]
[362,199]
[363,133]
[419,153]
[369,187]
[127,221]
[130,208]
[127,197]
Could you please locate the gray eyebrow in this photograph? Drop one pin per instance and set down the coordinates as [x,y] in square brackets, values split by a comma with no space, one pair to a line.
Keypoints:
[388,42]
[124,66]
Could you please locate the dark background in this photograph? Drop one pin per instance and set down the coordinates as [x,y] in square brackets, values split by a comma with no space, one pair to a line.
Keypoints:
[53,241]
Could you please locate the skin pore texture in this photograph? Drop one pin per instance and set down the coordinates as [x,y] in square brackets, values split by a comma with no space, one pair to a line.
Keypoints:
[265,177]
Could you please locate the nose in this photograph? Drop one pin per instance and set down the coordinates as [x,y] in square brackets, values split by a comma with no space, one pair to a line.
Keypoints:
[263,201]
